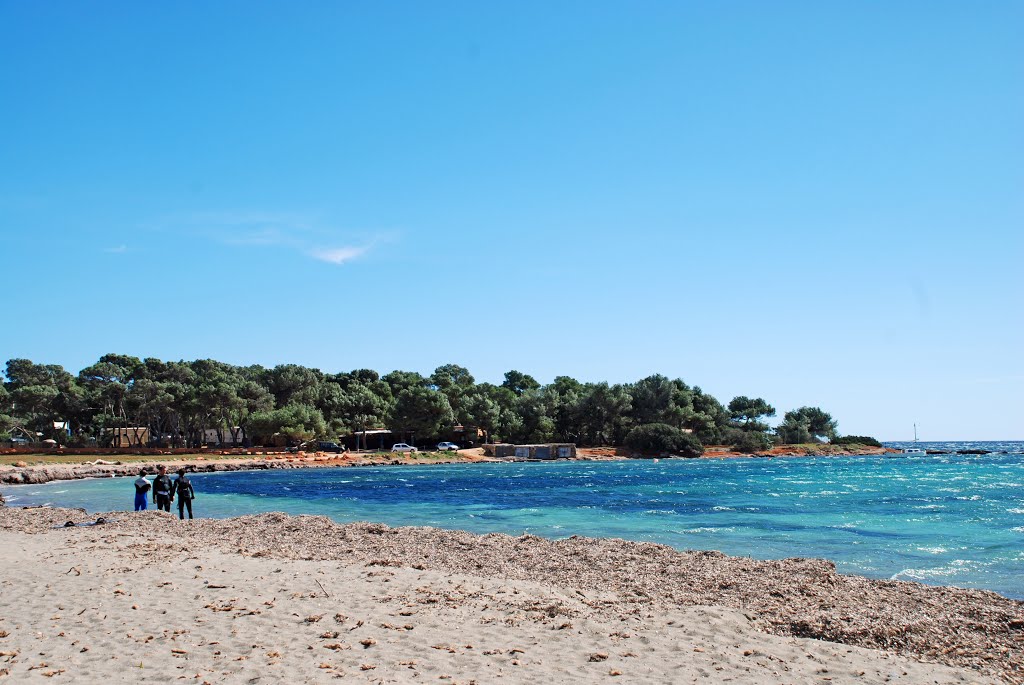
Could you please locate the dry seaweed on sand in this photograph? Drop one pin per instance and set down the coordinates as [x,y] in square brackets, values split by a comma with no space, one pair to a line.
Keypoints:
[800,597]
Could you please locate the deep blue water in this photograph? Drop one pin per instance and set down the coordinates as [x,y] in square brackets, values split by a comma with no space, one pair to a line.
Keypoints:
[947,519]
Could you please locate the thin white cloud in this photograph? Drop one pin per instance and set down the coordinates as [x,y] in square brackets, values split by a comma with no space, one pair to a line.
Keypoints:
[338,255]
[306,234]
[120,249]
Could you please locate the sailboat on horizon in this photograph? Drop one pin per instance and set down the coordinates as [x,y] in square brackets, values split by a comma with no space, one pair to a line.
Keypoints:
[915,449]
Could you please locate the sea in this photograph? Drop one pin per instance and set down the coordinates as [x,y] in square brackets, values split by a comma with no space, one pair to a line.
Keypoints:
[941,519]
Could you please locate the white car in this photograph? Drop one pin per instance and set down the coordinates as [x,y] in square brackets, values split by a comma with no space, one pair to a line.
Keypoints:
[447,447]
[402,447]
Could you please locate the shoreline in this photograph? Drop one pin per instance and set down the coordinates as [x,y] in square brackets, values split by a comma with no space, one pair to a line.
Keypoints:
[762,621]
[36,474]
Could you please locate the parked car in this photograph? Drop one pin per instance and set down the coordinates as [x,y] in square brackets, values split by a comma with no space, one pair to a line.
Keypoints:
[447,447]
[329,447]
[402,447]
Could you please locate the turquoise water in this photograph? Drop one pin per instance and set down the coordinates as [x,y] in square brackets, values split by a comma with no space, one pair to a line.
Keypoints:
[944,520]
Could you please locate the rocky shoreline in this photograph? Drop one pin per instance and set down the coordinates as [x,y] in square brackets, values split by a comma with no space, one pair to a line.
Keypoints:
[34,475]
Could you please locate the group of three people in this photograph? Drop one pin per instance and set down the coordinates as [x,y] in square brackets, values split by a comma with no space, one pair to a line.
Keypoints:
[164,491]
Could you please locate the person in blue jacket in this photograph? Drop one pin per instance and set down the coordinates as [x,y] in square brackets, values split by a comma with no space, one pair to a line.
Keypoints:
[142,487]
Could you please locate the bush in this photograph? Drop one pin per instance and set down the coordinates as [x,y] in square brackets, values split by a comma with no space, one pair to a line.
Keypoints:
[658,438]
[750,441]
[856,440]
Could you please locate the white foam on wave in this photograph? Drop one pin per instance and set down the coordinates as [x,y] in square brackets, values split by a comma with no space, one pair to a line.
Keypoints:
[721,508]
[923,573]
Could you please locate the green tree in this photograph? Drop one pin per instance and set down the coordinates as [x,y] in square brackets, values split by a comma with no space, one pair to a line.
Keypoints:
[519,382]
[39,395]
[404,380]
[706,417]
[748,411]
[7,421]
[564,398]
[368,405]
[455,382]
[422,412]
[298,422]
[661,438]
[532,424]
[654,401]
[294,384]
[106,384]
[806,424]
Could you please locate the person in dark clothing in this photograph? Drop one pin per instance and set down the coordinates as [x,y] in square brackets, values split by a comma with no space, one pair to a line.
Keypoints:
[183,489]
[162,489]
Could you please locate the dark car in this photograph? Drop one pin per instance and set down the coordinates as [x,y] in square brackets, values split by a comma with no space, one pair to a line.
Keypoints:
[329,447]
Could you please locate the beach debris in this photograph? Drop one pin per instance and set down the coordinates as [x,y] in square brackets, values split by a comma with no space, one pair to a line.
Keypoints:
[598,656]
[789,597]
[337,646]
[75,569]
[367,667]
[614,672]
[368,642]
[315,618]
[326,593]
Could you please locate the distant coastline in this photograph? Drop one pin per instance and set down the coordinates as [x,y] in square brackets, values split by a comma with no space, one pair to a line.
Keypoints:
[34,469]
[21,468]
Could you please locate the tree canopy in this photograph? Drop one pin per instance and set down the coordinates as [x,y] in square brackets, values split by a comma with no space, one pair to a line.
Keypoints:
[179,402]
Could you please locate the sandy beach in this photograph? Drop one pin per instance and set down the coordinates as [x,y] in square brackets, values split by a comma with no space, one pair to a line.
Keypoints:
[273,598]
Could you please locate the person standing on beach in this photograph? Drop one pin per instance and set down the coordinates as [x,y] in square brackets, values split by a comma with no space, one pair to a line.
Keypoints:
[162,488]
[183,489]
[141,488]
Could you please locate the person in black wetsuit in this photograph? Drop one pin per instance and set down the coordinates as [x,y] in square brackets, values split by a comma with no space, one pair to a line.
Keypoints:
[162,489]
[183,489]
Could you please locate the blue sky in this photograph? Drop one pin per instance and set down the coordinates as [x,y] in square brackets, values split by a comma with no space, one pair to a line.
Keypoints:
[816,203]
